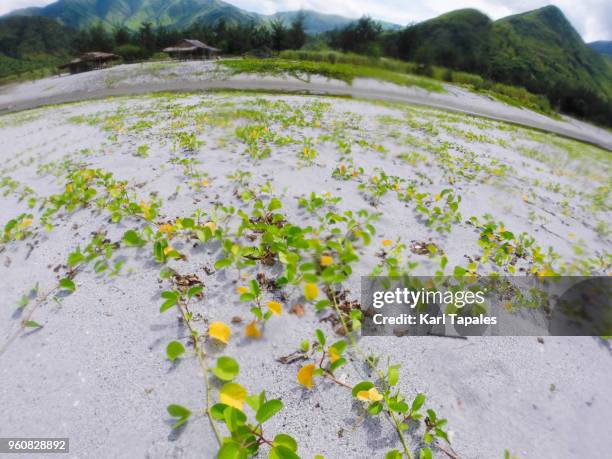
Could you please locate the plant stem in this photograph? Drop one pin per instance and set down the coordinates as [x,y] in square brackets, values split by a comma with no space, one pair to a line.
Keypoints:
[201,353]
[380,374]
[396,424]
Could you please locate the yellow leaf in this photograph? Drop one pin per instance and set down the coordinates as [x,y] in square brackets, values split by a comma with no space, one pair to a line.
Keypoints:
[168,249]
[165,228]
[326,260]
[375,395]
[69,188]
[146,209]
[275,307]
[526,198]
[241,290]
[311,291]
[233,394]
[204,182]
[212,226]
[144,206]
[252,330]
[545,272]
[305,375]
[437,197]
[219,331]
[386,242]
[333,354]
[371,395]
[26,222]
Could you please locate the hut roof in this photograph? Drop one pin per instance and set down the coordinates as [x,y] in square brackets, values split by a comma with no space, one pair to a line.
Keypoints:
[189,45]
[91,56]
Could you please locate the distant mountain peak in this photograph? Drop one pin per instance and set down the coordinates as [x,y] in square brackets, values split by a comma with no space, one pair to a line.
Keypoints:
[179,13]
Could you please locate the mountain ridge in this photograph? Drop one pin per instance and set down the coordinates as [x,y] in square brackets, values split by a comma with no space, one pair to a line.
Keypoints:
[177,13]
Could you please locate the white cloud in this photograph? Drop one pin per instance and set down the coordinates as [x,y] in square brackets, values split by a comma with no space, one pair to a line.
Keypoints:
[10,5]
[592,18]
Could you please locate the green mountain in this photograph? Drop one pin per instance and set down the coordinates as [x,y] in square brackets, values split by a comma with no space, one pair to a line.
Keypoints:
[315,22]
[602,47]
[458,39]
[539,50]
[179,13]
[29,43]
[80,13]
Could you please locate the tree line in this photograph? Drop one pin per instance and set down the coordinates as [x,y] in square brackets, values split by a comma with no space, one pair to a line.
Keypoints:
[231,38]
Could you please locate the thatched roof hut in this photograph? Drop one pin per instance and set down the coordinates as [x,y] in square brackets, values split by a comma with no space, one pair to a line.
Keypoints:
[89,61]
[191,49]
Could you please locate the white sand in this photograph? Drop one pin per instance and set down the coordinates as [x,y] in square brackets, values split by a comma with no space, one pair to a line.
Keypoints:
[96,372]
[202,75]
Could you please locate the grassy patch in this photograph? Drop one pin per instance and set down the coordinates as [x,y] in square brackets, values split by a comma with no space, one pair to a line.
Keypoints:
[339,71]
[16,70]
[511,95]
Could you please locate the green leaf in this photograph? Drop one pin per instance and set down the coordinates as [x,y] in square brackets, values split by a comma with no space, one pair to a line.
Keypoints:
[255,401]
[282,452]
[187,223]
[171,299]
[337,364]
[363,385]
[67,284]
[320,337]
[32,324]
[417,403]
[174,350]
[234,418]
[393,376]
[223,263]
[394,454]
[23,302]
[217,410]
[400,407]
[285,440]
[75,258]
[180,412]
[268,409]
[195,290]
[425,454]
[227,368]
[274,204]
[375,408]
[231,450]
[132,239]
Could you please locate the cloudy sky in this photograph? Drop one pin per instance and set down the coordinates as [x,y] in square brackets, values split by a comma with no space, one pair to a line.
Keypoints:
[592,18]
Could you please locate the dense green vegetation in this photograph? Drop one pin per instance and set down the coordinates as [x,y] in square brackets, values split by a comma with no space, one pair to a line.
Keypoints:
[32,45]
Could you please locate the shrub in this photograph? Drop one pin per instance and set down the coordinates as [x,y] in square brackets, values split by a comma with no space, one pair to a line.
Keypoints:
[131,53]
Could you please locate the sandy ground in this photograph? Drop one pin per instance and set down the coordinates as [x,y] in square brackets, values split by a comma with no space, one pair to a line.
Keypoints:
[198,75]
[96,371]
